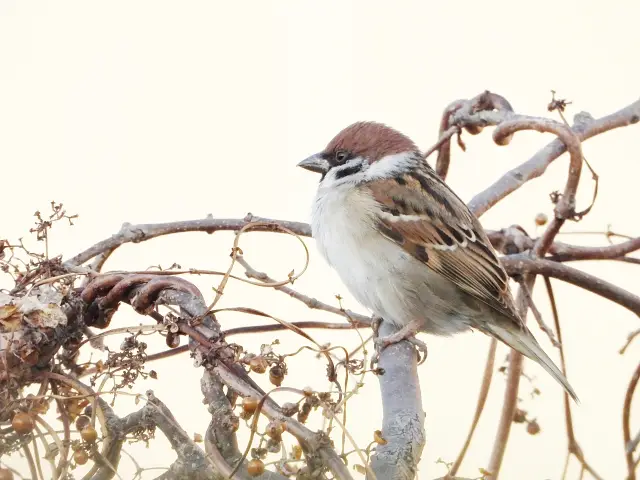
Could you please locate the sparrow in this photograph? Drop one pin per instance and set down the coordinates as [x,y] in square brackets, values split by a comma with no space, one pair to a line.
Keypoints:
[407,247]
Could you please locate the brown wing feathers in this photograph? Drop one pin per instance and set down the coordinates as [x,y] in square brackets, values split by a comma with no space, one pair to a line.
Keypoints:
[437,228]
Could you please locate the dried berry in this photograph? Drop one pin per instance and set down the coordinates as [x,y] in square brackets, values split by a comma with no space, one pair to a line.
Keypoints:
[6,474]
[22,423]
[275,429]
[82,422]
[276,375]
[255,467]
[81,457]
[541,219]
[520,416]
[533,428]
[89,434]
[249,404]
[173,340]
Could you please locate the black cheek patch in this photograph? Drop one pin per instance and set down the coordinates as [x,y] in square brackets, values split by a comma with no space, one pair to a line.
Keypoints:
[345,172]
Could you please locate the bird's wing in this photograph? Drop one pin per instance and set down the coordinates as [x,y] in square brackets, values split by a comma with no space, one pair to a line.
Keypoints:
[420,213]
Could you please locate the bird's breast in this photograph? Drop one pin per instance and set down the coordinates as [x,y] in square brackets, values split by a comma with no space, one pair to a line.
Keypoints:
[381,275]
[343,225]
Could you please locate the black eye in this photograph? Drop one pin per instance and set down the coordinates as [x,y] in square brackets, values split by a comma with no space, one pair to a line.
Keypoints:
[342,156]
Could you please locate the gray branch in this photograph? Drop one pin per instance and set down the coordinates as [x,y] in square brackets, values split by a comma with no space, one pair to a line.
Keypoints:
[221,443]
[403,417]
[192,463]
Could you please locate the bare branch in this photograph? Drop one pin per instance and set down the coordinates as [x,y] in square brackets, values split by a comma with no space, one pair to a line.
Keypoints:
[192,461]
[538,316]
[459,114]
[205,340]
[312,303]
[142,232]
[522,264]
[515,239]
[561,252]
[585,127]
[403,417]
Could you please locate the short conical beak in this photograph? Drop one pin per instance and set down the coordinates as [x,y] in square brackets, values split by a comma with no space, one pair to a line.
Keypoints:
[315,163]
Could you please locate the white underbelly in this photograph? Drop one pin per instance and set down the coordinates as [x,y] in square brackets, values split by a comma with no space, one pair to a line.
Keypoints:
[376,271]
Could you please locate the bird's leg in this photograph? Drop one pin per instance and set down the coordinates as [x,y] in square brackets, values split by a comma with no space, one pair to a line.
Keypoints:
[376,321]
[407,333]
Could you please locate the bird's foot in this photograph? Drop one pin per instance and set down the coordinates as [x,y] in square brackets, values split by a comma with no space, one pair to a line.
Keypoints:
[407,333]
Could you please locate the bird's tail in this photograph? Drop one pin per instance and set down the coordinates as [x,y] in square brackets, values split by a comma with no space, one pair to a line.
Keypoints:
[524,342]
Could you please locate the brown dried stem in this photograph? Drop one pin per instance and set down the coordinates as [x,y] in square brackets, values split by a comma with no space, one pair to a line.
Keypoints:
[626,423]
[457,116]
[172,290]
[573,447]
[482,400]
[510,401]
[312,303]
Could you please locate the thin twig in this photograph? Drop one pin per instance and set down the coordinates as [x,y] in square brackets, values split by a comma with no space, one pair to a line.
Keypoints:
[626,423]
[482,400]
[538,316]
[573,446]
[523,264]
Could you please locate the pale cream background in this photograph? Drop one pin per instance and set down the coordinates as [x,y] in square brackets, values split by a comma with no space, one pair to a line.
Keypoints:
[156,111]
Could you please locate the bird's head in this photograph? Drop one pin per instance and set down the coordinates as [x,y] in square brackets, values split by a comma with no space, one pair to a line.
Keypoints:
[363,150]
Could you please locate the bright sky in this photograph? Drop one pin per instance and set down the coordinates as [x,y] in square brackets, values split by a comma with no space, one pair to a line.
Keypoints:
[155,111]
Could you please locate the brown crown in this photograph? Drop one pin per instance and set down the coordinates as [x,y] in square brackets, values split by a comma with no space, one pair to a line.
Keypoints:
[371,140]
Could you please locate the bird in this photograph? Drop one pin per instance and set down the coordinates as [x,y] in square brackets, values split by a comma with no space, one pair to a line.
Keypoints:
[407,247]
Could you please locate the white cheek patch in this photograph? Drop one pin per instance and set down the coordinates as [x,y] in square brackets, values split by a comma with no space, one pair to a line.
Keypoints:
[351,172]
[391,165]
